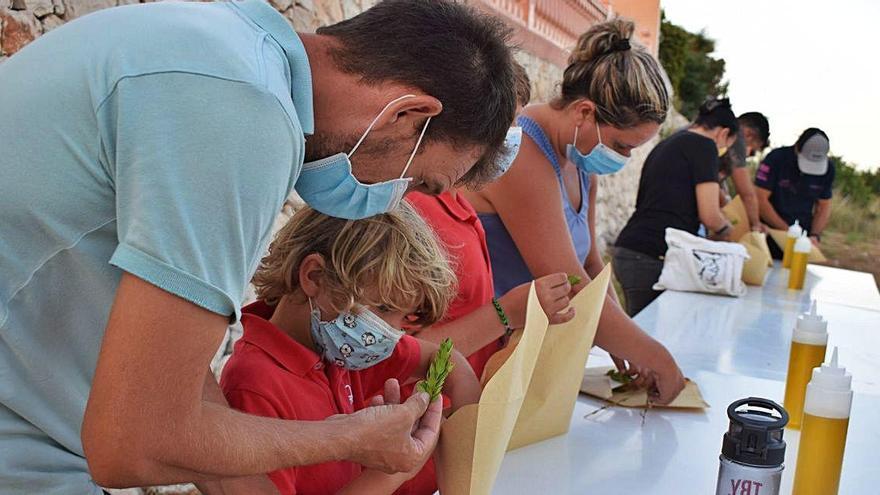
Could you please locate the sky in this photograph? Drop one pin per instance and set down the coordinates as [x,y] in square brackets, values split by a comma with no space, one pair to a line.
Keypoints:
[806,63]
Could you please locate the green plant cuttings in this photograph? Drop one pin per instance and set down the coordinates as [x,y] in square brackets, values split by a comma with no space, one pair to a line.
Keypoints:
[618,376]
[574,279]
[440,368]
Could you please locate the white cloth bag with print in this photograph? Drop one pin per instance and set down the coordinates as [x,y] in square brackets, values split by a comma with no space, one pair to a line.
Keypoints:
[695,264]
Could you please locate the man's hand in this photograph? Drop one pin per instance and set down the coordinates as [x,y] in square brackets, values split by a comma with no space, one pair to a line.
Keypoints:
[394,437]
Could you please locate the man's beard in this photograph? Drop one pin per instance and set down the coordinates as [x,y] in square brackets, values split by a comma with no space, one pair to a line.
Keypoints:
[322,145]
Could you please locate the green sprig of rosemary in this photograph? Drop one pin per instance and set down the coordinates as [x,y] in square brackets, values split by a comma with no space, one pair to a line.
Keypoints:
[440,368]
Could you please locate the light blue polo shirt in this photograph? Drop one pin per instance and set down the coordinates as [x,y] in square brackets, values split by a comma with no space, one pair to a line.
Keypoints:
[156,139]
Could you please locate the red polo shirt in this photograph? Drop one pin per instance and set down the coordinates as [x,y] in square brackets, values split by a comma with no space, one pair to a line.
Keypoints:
[270,374]
[457,226]
[459,229]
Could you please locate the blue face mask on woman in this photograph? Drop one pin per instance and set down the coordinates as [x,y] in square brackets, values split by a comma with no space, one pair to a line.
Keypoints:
[328,185]
[600,161]
[353,341]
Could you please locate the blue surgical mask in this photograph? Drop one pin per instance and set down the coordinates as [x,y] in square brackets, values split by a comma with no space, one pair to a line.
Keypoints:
[511,149]
[328,185]
[353,341]
[600,161]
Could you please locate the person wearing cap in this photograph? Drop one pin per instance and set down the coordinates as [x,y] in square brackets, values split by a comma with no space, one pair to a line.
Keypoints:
[795,183]
[678,188]
[753,136]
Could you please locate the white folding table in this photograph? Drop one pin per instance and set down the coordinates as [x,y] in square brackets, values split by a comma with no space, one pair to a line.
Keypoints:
[732,348]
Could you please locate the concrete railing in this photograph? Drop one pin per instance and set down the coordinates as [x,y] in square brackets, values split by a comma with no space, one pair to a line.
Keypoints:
[548,28]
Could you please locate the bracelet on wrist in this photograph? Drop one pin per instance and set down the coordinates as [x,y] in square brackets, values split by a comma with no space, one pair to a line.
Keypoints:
[722,230]
[508,330]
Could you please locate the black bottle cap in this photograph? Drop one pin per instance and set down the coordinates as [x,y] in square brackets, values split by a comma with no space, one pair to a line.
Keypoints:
[755,434]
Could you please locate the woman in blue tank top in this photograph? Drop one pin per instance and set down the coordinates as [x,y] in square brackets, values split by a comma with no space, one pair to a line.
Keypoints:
[539,217]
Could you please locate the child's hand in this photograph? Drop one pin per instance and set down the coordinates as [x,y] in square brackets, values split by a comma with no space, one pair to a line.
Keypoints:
[554,294]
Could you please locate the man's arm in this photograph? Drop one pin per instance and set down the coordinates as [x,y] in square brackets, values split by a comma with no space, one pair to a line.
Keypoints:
[746,190]
[260,484]
[147,401]
[768,213]
[821,216]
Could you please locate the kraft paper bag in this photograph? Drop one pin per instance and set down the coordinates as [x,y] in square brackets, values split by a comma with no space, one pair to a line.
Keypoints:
[474,439]
[597,383]
[779,237]
[755,268]
[759,240]
[735,211]
[549,403]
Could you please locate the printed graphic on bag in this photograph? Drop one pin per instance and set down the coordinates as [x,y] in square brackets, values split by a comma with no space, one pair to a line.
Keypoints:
[709,269]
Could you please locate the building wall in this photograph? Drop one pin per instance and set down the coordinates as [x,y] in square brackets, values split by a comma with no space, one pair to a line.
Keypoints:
[646,14]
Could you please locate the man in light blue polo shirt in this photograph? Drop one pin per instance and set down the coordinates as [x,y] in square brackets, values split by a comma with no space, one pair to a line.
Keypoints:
[144,152]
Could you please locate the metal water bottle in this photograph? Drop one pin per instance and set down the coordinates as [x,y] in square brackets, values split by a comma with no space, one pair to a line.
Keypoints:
[753,451]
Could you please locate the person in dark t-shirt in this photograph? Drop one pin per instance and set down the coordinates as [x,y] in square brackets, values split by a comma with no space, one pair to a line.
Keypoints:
[795,183]
[678,188]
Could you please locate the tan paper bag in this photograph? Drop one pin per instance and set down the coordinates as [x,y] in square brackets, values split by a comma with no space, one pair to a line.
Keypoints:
[735,211]
[597,383]
[548,405]
[779,237]
[759,240]
[755,268]
[473,440]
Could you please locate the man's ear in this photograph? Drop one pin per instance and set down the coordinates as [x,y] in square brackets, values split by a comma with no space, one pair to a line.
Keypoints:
[311,273]
[410,112]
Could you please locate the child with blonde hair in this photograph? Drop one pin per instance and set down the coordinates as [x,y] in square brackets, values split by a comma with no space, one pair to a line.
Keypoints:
[324,337]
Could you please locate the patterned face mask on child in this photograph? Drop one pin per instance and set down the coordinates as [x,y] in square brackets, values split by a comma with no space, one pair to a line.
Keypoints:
[353,341]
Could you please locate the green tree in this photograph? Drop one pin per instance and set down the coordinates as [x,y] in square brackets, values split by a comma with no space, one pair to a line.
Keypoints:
[860,187]
[693,72]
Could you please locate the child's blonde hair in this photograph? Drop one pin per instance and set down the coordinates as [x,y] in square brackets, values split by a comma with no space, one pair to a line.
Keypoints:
[392,259]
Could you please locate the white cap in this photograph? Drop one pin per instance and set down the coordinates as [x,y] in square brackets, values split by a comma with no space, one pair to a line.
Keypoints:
[811,328]
[829,393]
[803,244]
[813,155]
[795,229]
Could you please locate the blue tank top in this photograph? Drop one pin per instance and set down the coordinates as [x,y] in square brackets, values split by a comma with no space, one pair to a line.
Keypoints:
[508,267]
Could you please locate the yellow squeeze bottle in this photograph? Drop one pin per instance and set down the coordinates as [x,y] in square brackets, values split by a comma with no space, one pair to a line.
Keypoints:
[808,343]
[799,256]
[794,231]
[823,435]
